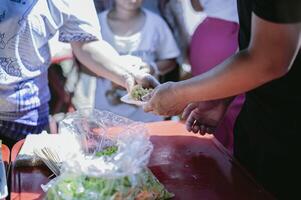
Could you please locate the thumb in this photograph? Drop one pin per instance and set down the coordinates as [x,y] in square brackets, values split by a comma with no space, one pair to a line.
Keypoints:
[147,80]
[129,83]
[147,107]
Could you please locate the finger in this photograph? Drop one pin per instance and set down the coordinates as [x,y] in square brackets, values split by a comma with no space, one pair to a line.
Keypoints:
[188,110]
[190,122]
[202,129]
[152,81]
[148,108]
[147,97]
[196,128]
[210,130]
[129,82]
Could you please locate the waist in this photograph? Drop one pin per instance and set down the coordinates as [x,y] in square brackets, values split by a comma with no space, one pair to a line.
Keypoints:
[32,117]
[25,95]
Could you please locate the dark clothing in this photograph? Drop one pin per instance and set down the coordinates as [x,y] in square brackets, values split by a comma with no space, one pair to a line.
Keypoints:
[12,132]
[266,131]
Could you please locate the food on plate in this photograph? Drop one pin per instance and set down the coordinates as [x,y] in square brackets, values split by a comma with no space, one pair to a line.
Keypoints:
[138,92]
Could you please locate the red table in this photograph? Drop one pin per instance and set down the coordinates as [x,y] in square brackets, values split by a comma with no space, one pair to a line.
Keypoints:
[190,166]
[57,60]
[5,156]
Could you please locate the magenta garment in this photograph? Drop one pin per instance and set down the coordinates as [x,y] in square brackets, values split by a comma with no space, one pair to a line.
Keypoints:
[213,41]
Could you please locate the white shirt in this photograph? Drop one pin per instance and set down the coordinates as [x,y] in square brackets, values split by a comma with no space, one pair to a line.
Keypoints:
[221,9]
[152,43]
[25,28]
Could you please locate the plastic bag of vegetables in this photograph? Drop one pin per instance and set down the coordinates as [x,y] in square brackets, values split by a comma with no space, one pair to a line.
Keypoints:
[113,163]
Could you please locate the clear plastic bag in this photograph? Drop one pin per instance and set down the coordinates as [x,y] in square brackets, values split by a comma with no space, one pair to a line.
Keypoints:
[113,163]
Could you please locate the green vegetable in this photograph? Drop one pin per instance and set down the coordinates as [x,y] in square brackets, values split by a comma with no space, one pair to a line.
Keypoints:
[138,92]
[137,187]
[107,152]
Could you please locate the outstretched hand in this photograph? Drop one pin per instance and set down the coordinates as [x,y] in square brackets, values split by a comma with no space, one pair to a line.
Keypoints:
[204,117]
[138,73]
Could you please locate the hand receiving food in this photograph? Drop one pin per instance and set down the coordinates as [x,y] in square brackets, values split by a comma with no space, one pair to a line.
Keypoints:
[165,101]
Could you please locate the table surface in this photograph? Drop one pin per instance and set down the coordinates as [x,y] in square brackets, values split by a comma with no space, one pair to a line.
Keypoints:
[5,157]
[189,165]
[5,154]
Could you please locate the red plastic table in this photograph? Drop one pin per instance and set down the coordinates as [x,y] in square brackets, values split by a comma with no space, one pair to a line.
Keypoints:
[5,156]
[190,166]
[57,60]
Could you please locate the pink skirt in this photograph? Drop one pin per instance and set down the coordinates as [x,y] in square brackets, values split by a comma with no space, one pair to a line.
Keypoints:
[213,41]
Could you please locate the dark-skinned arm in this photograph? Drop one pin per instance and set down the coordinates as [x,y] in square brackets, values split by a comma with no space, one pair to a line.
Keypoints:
[272,50]
[270,55]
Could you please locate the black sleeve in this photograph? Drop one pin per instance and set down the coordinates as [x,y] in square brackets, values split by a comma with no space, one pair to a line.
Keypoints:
[278,11]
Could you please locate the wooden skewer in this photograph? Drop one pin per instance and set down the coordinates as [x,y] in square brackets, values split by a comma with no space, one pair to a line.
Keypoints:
[50,158]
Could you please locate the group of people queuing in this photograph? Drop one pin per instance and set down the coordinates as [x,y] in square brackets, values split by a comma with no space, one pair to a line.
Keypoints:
[244,59]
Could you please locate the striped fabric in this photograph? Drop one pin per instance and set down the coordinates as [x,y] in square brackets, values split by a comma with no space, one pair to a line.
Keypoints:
[33,121]
[17,131]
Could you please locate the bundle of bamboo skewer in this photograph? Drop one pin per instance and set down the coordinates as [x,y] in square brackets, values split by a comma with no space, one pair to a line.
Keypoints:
[50,158]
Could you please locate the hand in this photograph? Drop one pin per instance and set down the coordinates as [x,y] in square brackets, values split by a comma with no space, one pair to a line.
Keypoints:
[136,64]
[204,117]
[164,101]
[131,61]
[146,80]
[137,73]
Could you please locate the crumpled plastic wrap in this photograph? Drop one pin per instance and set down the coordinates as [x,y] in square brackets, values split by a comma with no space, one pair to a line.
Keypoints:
[112,163]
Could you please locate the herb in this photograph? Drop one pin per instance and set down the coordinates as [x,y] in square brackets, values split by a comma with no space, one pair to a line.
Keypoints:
[138,92]
[79,187]
[107,151]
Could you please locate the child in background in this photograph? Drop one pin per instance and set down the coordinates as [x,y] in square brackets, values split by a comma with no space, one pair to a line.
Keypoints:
[139,32]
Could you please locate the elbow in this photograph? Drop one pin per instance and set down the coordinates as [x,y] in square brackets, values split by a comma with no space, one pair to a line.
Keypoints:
[270,67]
[275,70]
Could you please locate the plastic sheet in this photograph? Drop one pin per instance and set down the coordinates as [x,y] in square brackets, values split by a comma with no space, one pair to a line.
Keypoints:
[112,163]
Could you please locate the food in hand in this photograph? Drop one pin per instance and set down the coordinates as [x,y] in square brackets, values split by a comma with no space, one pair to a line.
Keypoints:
[138,92]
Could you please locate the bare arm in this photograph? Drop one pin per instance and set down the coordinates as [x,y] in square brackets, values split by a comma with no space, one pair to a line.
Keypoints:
[103,60]
[271,52]
[196,5]
[270,55]
[166,66]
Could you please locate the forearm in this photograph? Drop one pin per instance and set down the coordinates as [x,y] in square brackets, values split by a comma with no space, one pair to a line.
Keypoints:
[236,75]
[165,66]
[272,50]
[102,59]
[196,5]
